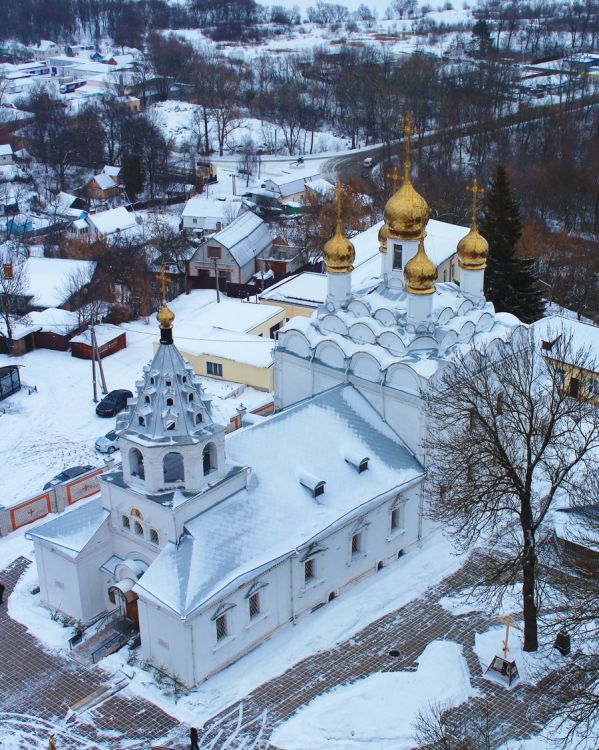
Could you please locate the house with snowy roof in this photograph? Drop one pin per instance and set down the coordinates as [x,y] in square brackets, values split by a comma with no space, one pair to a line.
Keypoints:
[210,544]
[6,153]
[205,216]
[101,187]
[231,253]
[113,224]
[292,187]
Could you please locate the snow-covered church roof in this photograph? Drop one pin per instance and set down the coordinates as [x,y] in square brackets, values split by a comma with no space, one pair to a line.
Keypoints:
[316,440]
[170,407]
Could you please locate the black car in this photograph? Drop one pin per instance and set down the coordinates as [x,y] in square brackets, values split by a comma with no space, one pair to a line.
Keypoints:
[67,474]
[113,403]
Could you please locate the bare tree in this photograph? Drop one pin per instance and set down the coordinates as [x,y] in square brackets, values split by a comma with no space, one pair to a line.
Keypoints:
[13,286]
[505,440]
[439,728]
[86,299]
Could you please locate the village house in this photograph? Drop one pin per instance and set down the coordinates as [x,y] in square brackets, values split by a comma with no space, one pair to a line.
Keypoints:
[56,327]
[50,282]
[43,49]
[101,187]
[113,224]
[291,188]
[580,336]
[205,216]
[231,253]
[6,154]
[113,172]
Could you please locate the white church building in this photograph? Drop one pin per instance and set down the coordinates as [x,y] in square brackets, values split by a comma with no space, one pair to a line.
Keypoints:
[210,544]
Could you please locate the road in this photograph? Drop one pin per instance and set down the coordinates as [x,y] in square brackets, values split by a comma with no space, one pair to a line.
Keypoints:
[350,166]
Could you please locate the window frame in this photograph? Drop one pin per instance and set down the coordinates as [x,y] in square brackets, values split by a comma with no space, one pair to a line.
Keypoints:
[221,627]
[254,607]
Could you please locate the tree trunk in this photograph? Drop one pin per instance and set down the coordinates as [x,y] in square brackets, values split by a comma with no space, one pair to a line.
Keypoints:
[529,573]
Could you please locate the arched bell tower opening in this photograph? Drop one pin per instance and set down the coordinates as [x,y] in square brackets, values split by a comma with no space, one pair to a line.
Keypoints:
[136,464]
[173,468]
[209,458]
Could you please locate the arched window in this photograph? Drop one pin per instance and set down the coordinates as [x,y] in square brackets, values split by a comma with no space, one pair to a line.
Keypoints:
[147,399]
[136,463]
[170,401]
[199,418]
[154,539]
[209,458]
[142,421]
[126,524]
[173,468]
[190,397]
[138,528]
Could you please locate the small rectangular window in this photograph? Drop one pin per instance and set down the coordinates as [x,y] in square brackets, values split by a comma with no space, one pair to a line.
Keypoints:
[309,570]
[221,627]
[213,252]
[356,544]
[254,605]
[395,519]
[214,368]
[153,536]
[126,523]
[397,256]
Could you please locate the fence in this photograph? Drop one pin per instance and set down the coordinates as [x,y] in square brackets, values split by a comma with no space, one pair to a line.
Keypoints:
[53,500]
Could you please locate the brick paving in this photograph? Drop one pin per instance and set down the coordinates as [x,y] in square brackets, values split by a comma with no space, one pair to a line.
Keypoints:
[37,687]
[43,684]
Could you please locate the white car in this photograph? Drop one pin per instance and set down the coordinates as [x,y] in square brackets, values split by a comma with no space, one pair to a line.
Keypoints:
[368,162]
[108,443]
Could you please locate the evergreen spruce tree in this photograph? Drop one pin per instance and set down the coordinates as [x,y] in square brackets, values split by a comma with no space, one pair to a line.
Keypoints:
[132,175]
[509,281]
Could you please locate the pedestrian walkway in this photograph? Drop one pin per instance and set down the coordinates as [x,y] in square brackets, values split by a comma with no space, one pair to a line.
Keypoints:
[43,685]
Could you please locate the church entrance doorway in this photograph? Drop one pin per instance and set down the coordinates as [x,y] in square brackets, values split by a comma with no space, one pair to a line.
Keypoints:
[126,599]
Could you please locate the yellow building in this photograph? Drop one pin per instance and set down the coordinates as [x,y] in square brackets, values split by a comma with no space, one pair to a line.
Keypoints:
[229,340]
[568,345]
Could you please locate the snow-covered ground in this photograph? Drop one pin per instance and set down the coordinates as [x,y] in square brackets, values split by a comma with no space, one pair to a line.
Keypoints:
[379,711]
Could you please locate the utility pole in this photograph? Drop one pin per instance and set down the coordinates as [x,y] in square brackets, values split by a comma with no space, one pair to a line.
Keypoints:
[91,337]
[216,282]
[96,353]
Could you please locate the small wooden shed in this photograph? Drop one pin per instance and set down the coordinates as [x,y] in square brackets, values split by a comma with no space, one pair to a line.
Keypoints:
[110,339]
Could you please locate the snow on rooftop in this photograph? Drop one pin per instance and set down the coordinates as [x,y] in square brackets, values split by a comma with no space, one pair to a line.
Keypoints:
[200,309]
[55,320]
[104,181]
[72,531]
[276,514]
[306,288]
[111,170]
[245,237]
[48,279]
[113,220]
[233,345]
[202,207]
[5,149]
[104,333]
[583,336]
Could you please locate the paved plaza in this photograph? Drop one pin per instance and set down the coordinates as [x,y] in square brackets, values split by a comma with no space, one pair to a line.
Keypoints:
[37,686]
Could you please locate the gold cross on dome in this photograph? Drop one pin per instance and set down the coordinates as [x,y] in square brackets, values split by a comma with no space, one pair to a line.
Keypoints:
[407,132]
[339,193]
[475,190]
[394,176]
[162,278]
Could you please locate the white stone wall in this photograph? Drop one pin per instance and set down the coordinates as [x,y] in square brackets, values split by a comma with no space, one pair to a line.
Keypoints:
[286,596]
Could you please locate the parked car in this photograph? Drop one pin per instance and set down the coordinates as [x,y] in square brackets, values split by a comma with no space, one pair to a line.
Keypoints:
[67,474]
[113,403]
[108,443]
[368,162]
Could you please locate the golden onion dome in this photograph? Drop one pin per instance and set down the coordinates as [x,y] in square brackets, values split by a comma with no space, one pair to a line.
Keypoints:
[339,253]
[420,272]
[473,250]
[165,317]
[406,212]
[383,237]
